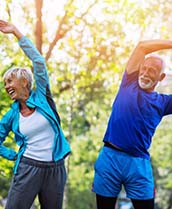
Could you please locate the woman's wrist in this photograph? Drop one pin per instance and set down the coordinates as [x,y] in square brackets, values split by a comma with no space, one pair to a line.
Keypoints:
[17,33]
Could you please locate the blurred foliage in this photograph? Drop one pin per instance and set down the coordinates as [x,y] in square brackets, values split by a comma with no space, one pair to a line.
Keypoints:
[86,45]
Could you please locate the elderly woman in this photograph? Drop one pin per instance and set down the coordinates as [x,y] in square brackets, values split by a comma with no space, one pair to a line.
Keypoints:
[39,164]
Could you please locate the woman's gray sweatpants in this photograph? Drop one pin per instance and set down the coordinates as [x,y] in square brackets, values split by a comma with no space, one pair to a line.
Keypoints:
[45,179]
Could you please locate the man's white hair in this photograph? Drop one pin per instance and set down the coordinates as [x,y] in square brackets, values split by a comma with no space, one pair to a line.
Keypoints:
[20,72]
[156,56]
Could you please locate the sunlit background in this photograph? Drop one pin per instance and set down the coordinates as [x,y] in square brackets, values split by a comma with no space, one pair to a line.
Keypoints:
[86,44]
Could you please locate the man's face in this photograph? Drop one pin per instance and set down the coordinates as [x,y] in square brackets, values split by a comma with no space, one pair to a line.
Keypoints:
[150,73]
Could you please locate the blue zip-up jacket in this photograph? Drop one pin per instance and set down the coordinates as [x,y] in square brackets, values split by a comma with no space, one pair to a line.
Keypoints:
[40,99]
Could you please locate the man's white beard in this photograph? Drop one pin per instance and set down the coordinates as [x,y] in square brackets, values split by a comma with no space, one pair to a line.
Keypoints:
[145,82]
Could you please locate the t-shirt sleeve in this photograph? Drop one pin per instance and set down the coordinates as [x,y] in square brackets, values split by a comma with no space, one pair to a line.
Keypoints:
[167,100]
[127,79]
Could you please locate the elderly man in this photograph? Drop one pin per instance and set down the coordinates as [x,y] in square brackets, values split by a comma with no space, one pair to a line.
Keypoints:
[136,112]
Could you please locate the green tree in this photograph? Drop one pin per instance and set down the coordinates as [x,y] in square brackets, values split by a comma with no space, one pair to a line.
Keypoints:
[86,45]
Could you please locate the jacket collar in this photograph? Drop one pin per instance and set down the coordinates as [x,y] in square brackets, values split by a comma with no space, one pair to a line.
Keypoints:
[15,105]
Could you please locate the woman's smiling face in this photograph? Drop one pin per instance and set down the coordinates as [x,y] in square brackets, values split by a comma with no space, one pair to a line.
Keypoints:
[15,87]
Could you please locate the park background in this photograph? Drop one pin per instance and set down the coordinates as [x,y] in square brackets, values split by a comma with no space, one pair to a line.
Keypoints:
[86,44]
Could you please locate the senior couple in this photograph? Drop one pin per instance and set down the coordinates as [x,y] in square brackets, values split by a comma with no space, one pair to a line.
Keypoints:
[124,158]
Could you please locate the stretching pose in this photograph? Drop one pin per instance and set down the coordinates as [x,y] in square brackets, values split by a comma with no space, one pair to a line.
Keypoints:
[136,112]
[39,164]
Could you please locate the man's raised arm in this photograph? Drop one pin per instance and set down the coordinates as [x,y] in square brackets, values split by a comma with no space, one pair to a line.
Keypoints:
[142,49]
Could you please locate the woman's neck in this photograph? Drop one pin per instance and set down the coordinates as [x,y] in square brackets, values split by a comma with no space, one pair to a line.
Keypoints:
[25,110]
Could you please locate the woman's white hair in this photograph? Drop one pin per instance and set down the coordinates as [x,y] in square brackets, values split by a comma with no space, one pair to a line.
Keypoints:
[20,72]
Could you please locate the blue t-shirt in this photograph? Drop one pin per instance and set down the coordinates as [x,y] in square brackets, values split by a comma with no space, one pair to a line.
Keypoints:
[135,116]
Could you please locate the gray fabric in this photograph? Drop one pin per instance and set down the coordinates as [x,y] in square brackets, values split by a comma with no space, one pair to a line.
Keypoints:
[45,179]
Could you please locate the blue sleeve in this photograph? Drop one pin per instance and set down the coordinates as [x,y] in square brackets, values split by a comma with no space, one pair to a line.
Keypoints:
[167,101]
[39,65]
[129,78]
[5,127]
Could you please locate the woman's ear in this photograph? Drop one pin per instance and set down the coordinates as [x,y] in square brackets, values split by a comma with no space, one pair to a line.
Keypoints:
[24,82]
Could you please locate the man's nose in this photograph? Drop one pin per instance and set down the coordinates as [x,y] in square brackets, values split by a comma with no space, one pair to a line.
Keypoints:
[145,72]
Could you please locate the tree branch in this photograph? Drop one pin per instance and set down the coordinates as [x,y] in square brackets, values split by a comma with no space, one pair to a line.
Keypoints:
[38,29]
[60,33]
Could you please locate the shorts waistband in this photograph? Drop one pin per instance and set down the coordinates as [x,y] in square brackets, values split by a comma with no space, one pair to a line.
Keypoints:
[107,144]
[41,164]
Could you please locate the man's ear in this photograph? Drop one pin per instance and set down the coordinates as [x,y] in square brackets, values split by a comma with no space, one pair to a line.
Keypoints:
[162,76]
